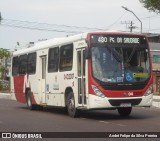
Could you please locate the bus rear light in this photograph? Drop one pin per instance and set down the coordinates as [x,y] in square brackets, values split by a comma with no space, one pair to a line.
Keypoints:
[149,90]
[97,91]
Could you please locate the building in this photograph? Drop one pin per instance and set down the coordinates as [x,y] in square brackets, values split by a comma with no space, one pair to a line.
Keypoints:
[154,41]
[153,38]
[155,52]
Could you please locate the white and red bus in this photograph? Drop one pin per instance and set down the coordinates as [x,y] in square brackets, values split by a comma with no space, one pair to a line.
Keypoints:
[97,70]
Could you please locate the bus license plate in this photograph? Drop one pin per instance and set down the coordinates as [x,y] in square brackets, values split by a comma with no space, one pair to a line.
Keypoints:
[125,105]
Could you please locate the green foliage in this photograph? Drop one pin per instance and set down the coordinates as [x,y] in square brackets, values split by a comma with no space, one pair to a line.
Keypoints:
[1,86]
[4,53]
[156,93]
[4,86]
[2,71]
[151,5]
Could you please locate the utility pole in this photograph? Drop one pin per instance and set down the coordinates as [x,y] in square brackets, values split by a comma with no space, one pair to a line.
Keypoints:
[134,15]
[131,27]
[129,24]
[126,23]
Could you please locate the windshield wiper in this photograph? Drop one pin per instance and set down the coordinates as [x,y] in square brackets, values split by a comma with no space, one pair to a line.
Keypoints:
[131,55]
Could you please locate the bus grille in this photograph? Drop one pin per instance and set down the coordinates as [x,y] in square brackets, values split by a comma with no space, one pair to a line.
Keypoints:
[124,87]
[117,102]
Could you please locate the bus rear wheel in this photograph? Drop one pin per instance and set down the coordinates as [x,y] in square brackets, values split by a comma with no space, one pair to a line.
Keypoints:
[125,111]
[29,101]
[72,111]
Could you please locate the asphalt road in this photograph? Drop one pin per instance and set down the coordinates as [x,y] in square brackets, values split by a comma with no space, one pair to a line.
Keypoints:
[15,117]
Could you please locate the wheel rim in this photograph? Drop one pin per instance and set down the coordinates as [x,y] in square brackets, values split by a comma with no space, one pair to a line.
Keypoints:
[71,104]
[29,102]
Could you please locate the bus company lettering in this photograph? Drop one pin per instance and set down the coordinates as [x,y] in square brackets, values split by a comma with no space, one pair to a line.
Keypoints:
[69,76]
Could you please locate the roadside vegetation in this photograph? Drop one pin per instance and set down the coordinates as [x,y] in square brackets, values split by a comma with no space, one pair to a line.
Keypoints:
[4,80]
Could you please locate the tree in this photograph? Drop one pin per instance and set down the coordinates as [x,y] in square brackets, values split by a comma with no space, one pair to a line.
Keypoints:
[151,5]
[2,71]
[4,54]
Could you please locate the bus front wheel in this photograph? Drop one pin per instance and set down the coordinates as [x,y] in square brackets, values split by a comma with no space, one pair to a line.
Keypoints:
[124,112]
[72,111]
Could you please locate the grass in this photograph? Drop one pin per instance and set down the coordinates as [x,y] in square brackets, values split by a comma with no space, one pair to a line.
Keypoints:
[156,93]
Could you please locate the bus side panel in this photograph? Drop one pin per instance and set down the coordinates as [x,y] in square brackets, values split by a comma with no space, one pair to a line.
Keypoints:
[54,94]
[31,82]
[18,88]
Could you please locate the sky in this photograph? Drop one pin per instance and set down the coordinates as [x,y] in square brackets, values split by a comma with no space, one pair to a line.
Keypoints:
[25,21]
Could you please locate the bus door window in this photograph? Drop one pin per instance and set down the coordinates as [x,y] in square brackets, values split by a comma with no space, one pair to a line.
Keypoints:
[79,63]
[84,78]
[81,76]
[43,67]
[84,63]
[43,79]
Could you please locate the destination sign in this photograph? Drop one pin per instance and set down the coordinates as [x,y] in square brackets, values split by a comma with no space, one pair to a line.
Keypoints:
[118,39]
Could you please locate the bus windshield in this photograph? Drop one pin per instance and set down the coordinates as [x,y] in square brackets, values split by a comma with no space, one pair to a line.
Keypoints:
[120,64]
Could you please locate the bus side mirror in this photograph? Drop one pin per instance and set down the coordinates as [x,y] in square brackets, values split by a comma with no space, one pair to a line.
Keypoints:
[87,53]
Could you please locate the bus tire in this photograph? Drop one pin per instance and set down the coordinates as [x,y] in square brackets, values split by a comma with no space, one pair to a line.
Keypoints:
[124,112]
[72,111]
[29,101]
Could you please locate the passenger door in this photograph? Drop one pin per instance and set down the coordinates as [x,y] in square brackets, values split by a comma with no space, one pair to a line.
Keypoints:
[81,77]
[42,79]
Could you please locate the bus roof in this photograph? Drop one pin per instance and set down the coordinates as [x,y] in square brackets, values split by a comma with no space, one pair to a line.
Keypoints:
[51,43]
[61,41]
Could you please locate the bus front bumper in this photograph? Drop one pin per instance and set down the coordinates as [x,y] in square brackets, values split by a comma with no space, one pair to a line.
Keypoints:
[95,102]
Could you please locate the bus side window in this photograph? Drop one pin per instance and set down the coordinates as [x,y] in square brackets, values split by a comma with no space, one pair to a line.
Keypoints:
[53,59]
[31,63]
[79,71]
[23,64]
[66,57]
[15,66]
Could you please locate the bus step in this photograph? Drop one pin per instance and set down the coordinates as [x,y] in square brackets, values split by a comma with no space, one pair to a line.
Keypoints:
[82,107]
[44,104]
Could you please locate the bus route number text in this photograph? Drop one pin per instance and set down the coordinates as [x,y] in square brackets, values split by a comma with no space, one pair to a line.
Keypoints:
[118,40]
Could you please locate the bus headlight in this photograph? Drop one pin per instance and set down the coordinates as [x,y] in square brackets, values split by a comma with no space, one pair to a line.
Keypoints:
[97,91]
[149,90]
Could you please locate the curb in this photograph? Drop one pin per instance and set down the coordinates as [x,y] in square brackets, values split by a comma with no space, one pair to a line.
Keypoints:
[155,103]
[5,96]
